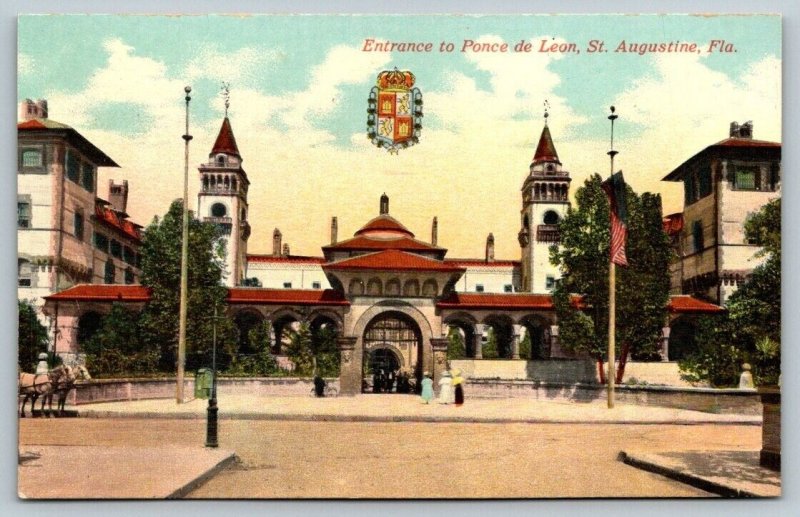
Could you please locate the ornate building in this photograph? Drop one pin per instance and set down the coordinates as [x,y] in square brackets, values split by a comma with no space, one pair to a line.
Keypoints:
[392,297]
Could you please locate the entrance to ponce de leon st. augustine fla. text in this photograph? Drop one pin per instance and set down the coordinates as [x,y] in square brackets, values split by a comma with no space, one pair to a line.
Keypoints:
[391,359]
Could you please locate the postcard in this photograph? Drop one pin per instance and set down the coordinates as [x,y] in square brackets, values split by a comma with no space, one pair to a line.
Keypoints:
[399,256]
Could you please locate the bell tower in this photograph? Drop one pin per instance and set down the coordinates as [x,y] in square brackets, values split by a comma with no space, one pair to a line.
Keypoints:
[222,199]
[545,200]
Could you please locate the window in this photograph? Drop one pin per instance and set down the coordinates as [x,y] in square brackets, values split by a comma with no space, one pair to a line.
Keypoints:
[32,158]
[746,178]
[316,285]
[705,182]
[87,180]
[697,236]
[550,217]
[478,288]
[116,248]
[24,273]
[128,255]
[508,288]
[110,272]
[550,282]
[78,222]
[73,167]
[287,285]
[101,242]
[129,276]
[23,213]
[218,210]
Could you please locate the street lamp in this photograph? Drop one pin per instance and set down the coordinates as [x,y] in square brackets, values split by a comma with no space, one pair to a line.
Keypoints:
[211,420]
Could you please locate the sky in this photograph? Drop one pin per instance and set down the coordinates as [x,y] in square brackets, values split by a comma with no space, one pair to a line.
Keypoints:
[298,100]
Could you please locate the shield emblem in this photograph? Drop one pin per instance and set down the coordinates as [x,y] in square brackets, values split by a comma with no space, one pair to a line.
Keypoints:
[394,111]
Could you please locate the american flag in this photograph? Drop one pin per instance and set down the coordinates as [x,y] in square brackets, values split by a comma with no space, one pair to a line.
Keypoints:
[614,187]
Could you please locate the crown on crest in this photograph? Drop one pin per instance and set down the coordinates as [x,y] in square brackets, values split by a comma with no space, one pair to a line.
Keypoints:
[395,79]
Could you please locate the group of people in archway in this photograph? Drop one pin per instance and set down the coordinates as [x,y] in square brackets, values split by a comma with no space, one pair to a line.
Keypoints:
[391,381]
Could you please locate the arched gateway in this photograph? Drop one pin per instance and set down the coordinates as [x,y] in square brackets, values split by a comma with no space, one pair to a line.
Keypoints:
[392,347]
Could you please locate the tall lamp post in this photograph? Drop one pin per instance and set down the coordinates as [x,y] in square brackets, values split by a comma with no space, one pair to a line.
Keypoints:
[184,258]
[211,420]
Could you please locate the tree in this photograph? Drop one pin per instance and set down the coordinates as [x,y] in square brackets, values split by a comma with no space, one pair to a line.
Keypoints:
[455,344]
[642,287]
[161,263]
[750,331]
[313,353]
[116,347]
[32,338]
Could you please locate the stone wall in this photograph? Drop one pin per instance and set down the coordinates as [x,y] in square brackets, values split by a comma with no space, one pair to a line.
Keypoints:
[699,399]
[138,389]
[771,428]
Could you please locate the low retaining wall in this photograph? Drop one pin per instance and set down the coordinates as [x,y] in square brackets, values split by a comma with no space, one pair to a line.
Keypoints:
[746,402]
[109,390]
[736,401]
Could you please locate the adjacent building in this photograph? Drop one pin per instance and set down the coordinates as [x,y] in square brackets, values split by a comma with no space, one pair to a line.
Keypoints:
[66,234]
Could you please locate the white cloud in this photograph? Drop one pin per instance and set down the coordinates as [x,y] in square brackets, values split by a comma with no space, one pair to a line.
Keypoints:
[243,67]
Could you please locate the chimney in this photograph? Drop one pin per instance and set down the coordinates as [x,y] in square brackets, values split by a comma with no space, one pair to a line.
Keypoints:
[434,231]
[742,131]
[334,229]
[29,110]
[276,243]
[118,195]
[384,204]
[286,250]
[490,248]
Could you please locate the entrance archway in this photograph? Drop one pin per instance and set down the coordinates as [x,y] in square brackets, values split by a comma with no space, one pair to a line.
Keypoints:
[392,344]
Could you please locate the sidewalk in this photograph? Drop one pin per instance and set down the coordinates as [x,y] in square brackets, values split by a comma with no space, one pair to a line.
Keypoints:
[408,408]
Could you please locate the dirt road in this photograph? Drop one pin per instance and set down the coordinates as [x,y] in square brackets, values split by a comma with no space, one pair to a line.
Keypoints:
[413,460]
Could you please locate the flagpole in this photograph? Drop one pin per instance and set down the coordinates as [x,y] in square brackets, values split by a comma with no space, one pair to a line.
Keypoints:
[612,294]
[183,309]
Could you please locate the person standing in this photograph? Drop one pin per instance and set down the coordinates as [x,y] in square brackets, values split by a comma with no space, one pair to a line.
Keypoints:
[446,389]
[427,388]
[458,387]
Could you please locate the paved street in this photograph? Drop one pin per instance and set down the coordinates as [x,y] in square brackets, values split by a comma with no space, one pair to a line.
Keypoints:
[290,459]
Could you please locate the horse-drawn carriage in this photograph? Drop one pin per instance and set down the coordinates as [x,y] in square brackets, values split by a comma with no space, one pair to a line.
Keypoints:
[58,381]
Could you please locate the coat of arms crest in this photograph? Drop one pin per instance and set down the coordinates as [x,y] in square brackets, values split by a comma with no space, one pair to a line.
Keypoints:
[394,111]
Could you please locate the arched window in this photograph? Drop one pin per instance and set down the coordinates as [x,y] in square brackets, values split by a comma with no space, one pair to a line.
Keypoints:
[356,287]
[430,287]
[550,217]
[218,210]
[374,287]
[221,160]
[129,276]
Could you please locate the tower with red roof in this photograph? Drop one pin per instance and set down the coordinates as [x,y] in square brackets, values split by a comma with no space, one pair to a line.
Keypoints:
[222,200]
[545,200]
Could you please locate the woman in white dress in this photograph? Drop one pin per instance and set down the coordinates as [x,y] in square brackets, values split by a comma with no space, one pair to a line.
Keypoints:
[446,389]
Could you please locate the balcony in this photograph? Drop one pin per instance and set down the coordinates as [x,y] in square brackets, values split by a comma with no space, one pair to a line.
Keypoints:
[548,233]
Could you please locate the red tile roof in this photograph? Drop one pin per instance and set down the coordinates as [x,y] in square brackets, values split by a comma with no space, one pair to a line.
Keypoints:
[546,150]
[745,142]
[226,142]
[734,146]
[117,221]
[102,292]
[37,125]
[291,259]
[367,242]
[509,301]
[393,260]
[482,263]
[684,303]
[285,296]
[384,223]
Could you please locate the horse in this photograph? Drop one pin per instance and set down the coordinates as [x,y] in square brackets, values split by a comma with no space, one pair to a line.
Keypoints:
[31,387]
[62,381]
